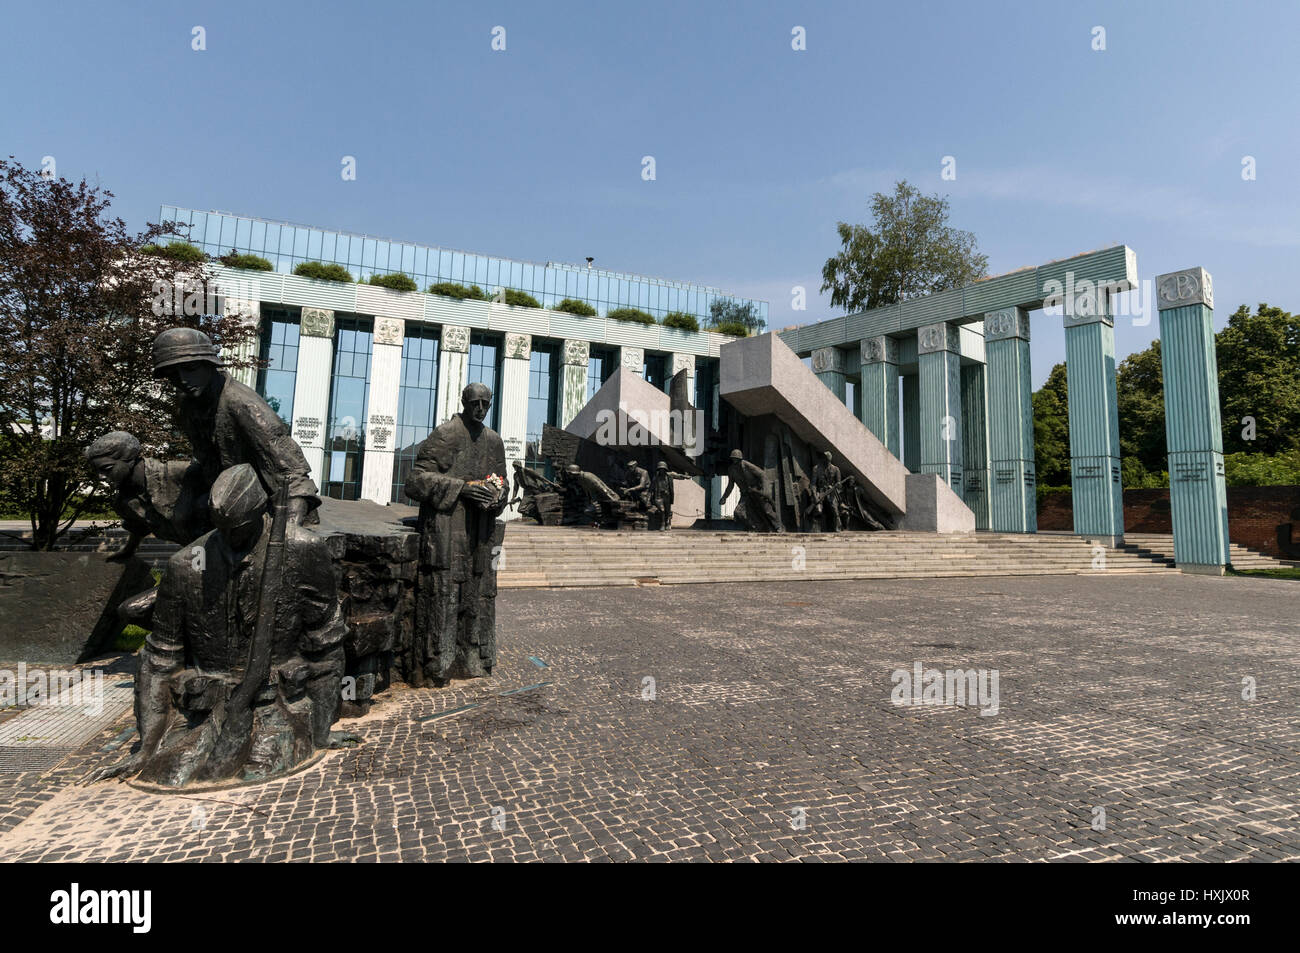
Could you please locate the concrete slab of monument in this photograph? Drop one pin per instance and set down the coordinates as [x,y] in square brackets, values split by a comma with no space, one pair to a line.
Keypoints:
[62,607]
[932,507]
[761,375]
[635,413]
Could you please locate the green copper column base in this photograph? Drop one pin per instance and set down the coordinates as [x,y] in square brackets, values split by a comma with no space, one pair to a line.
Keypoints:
[1200,569]
[1013,500]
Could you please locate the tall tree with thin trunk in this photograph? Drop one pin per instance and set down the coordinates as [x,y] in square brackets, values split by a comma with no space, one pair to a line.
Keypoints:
[81,301]
[910,252]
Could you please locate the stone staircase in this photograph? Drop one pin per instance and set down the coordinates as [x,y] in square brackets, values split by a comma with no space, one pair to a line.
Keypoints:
[541,556]
[1241,557]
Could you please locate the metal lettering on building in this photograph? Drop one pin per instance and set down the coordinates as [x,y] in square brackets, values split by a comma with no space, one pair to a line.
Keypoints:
[381,431]
[1193,471]
[306,430]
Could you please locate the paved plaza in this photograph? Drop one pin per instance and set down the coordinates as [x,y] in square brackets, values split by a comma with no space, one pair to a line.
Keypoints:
[748,722]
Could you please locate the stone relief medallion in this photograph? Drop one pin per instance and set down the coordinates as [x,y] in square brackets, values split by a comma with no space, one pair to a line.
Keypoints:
[633,358]
[1181,288]
[317,323]
[519,346]
[826,359]
[683,362]
[576,352]
[389,330]
[455,338]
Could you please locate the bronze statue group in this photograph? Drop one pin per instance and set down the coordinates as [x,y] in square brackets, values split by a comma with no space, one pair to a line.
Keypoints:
[241,674]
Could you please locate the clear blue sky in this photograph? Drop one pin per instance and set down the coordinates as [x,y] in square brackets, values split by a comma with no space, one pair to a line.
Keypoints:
[535,152]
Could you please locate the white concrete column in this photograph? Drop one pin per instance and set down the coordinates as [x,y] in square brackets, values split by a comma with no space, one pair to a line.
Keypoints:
[251,313]
[381,423]
[311,388]
[453,371]
[514,404]
[573,383]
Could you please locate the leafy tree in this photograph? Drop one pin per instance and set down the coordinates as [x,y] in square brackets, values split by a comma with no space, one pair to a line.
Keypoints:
[323,272]
[574,306]
[234,259]
[450,289]
[1052,430]
[635,315]
[910,252]
[1262,469]
[1259,377]
[79,309]
[729,311]
[395,282]
[1139,386]
[681,320]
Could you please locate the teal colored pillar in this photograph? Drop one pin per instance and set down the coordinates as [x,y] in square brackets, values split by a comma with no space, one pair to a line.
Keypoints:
[975,442]
[1097,490]
[911,422]
[939,369]
[1198,493]
[878,392]
[1013,499]
[828,365]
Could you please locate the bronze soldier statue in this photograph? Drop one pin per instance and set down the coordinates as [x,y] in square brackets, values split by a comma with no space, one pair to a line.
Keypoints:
[637,484]
[158,497]
[241,676]
[825,505]
[459,481]
[756,504]
[527,484]
[228,423]
[661,494]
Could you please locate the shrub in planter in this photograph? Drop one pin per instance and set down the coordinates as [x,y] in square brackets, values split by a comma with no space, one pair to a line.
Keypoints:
[520,299]
[450,289]
[573,306]
[323,272]
[234,259]
[635,315]
[176,251]
[681,320]
[734,328]
[395,282]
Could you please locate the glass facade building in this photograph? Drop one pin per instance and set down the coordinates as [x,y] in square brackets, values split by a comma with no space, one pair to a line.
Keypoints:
[286,246]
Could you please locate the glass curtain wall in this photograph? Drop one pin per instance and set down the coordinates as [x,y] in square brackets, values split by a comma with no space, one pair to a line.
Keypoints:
[345,439]
[485,368]
[543,386]
[276,381]
[417,400]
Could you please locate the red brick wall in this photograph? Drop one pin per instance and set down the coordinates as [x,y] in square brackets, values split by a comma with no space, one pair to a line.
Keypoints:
[1254,513]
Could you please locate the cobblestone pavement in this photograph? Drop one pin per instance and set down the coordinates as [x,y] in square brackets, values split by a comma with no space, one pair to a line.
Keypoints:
[768,733]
